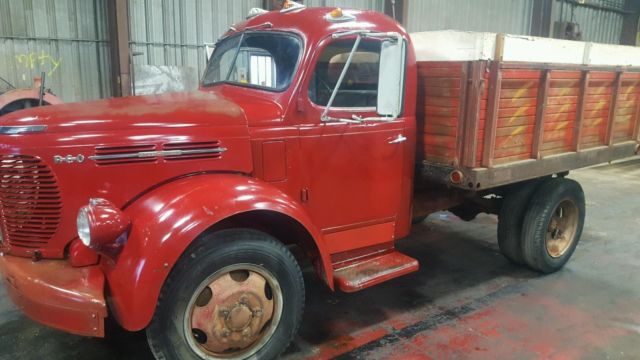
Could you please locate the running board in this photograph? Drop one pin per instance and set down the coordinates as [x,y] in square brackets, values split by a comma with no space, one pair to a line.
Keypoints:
[373,270]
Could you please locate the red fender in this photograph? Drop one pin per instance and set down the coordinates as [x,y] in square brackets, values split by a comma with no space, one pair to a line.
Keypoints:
[164,223]
[23,94]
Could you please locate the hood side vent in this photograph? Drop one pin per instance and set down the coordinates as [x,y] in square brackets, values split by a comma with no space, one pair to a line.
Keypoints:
[117,155]
[194,150]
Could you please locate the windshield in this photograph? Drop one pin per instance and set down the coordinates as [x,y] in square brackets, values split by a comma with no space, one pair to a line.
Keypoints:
[264,60]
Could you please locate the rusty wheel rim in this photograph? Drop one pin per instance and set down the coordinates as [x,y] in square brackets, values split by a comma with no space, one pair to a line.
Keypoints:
[562,228]
[233,313]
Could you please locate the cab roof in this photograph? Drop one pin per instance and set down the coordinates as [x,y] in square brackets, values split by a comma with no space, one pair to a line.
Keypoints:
[313,25]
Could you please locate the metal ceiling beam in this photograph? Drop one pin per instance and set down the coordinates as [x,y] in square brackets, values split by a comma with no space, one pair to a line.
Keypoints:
[597,6]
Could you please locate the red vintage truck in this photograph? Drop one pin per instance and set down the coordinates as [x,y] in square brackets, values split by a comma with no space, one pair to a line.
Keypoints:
[320,129]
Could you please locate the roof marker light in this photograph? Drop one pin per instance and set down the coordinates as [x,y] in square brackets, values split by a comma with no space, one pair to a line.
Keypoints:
[337,15]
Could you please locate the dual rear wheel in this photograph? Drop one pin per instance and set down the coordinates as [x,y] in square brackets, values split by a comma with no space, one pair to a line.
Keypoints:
[540,223]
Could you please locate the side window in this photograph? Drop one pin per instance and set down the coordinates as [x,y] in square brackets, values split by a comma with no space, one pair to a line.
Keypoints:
[360,85]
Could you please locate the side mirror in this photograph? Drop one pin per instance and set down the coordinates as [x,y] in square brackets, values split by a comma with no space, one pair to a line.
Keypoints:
[391,77]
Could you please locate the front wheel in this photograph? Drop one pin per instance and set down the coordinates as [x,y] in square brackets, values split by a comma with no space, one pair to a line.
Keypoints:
[553,225]
[235,294]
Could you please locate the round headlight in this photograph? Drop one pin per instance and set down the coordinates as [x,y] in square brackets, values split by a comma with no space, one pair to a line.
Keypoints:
[84,228]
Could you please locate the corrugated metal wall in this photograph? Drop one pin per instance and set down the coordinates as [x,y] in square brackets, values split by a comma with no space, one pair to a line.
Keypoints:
[67,39]
[510,16]
[173,32]
[597,25]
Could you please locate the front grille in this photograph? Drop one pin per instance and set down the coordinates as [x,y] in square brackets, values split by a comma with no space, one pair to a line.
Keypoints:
[30,203]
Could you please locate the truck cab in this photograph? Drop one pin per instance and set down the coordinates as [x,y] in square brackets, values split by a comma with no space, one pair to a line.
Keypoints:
[302,134]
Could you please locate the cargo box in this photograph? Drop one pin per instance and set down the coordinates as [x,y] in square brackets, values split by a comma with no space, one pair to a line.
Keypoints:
[494,109]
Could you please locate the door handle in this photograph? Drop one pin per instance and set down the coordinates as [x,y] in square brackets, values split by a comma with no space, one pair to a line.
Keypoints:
[399,139]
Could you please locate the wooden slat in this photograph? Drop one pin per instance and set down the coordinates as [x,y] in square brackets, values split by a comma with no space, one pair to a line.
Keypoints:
[538,132]
[636,126]
[492,115]
[582,100]
[636,123]
[472,118]
[464,85]
[613,107]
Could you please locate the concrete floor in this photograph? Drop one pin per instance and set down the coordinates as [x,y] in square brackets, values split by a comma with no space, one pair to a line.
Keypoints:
[466,301]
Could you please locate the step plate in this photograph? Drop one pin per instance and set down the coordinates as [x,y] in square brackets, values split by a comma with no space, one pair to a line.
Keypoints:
[374,270]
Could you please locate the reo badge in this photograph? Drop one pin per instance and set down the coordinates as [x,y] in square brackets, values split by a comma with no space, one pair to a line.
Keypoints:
[69,159]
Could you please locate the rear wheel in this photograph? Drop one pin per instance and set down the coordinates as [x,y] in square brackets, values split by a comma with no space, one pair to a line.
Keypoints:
[235,294]
[510,218]
[553,225]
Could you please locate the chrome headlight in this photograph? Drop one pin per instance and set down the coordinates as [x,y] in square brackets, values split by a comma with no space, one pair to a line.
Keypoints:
[84,226]
[102,226]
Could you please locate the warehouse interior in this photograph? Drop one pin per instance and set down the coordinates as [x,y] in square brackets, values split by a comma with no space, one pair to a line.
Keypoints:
[90,49]
[460,296]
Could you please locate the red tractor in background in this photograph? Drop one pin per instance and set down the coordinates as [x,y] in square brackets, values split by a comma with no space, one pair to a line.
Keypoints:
[16,99]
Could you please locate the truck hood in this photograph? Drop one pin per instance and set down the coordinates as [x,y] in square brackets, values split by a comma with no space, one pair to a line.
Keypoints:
[173,110]
[119,149]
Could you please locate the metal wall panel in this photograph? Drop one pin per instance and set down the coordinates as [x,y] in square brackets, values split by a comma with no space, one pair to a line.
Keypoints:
[597,25]
[67,39]
[509,16]
[173,32]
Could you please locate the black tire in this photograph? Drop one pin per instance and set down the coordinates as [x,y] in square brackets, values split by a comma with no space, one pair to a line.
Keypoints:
[552,199]
[208,255]
[510,218]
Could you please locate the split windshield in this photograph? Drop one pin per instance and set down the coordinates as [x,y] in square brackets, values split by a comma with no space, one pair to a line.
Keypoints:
[262,60]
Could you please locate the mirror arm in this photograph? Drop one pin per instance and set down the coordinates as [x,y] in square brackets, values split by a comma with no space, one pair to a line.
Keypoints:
[325,113]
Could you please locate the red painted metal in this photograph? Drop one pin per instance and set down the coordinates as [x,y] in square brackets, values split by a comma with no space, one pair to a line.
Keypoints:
[80,255]
[342,240]
[166,220]
[363,273]
[57,294]
[108,227]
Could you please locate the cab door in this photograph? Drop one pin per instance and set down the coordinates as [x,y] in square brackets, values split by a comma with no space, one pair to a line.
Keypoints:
[353,171]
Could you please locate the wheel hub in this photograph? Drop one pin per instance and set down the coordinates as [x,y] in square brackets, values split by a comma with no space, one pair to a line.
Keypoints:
[239,318]
[232,313]
[562,228]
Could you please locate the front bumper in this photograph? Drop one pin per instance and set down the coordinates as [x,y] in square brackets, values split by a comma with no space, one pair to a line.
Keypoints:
[56,294]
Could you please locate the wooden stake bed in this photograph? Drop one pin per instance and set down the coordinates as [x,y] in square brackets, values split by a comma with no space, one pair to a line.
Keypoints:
[499,122]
